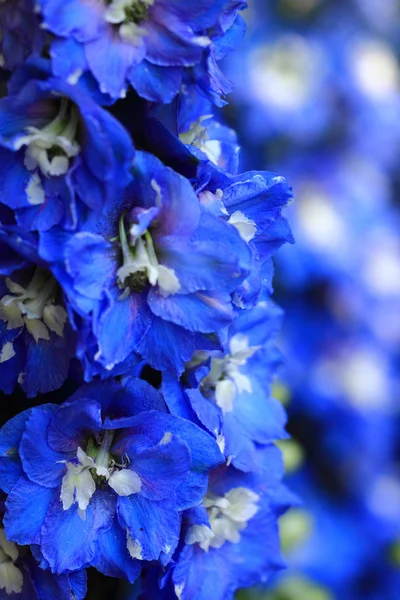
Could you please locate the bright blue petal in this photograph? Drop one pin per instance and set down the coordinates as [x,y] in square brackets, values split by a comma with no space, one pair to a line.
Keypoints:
[200,14]
[67,58]
[154,526]
[206,311]
[110,58]
[121,328]
[14,178]
[176,400]
[88,261]
[205,454]
[208,413]
[67,541]
[26,508]
[160,349]
[112,557]
[161,468]
[169,41]
[72,17]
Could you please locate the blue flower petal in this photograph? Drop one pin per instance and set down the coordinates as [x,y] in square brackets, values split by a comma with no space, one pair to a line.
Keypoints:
[161,467]
[88,261]
[112,557]
[207,412]
[67,58]
[72,424]
[49,586]
[153,526]
[14,177]
[26,508]
[72,17]
[154,83]
[110,58]
[160,349]
[10,437]
[67,541]
[41,463]
[206,311]
[199,13]
[205,454]
[47,363]
[121,328]
[78,582]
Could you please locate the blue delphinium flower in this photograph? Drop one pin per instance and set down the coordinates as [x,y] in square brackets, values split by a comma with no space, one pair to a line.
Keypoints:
[60,152]
[229,392]
[36,340]
[102,479]
[231,540]
[155,279]
[129,268]
[145,42]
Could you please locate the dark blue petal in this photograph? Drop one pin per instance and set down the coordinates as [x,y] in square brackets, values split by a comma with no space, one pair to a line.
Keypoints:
[41,463]
[78,582]
[154,83]
[49,586]
[72,424]
[47,363]
[10,463]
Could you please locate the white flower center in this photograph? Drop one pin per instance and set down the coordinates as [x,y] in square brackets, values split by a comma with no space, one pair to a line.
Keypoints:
[225,378]
[79,482]
[129,15]
[33,307]
[141,266]
[11,579]
[228,516]
[50,149]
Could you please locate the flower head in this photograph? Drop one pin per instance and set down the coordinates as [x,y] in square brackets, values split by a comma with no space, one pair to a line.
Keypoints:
[106,472]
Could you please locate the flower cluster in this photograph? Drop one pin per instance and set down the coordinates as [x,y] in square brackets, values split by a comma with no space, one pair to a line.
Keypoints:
[135,306]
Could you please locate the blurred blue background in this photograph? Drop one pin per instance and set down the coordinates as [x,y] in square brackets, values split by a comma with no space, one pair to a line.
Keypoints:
[317,99]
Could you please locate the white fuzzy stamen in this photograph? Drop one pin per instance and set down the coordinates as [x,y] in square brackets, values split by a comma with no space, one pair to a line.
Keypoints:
[11,578]
[229,516]
[139,256]
[34,306]
[58,134]
[225,377]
